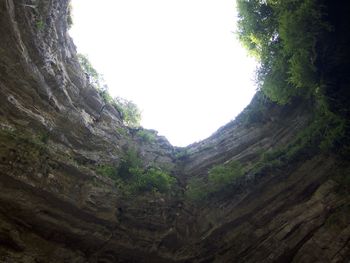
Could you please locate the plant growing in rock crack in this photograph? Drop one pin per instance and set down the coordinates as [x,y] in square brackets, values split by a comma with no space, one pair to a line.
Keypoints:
[146,135]
[131,114]
[107,171]
[94,77]
[196,189]
[324,134]
[220,177]
[152,179]
[40,25]
[223,175]
[122,131]
[131,178]
[182,154]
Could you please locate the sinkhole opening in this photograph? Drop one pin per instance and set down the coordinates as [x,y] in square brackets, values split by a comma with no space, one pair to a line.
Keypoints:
[179,61]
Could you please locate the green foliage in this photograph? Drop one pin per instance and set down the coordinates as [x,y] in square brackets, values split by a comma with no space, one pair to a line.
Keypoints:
[131,114]
[131,178]
[129,164]
[220,178]
[107,98]
[196,190]
[23,137]
[154,179]
[283,35]
[256,111]
[270,159]
[325,133]
[107,171]
[224,174]
[139,179]
[256,25]
[146,136]
[122,131]
[94,77]
[291,39]
[182,154]
[40,25]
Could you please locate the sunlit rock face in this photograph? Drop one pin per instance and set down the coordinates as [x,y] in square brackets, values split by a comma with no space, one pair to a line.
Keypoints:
[56,130]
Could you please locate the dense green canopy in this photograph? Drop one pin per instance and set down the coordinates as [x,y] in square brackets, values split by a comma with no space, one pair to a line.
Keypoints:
[283,35]
[303,50]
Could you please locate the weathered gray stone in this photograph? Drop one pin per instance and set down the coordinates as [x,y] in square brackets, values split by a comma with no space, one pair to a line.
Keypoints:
[55,130]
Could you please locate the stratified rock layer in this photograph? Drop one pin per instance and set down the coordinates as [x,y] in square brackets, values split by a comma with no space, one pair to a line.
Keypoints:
[55,130]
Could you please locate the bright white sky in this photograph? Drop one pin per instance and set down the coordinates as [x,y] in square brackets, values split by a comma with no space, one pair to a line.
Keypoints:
[178,60]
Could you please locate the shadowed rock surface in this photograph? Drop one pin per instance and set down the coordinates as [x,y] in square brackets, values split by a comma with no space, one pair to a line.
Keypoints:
[55,129]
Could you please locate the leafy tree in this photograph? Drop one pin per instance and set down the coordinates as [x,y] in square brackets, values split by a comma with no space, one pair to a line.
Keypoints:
[131,114]
[302,49]
[283,35]
[154,179]
[256,25]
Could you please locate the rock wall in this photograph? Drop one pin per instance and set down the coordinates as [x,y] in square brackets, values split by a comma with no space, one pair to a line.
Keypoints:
[55,129]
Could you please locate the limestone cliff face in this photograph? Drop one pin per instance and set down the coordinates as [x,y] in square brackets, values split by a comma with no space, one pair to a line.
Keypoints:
[55,129]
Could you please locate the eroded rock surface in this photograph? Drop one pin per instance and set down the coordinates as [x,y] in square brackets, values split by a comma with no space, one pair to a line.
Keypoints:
[56,129]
